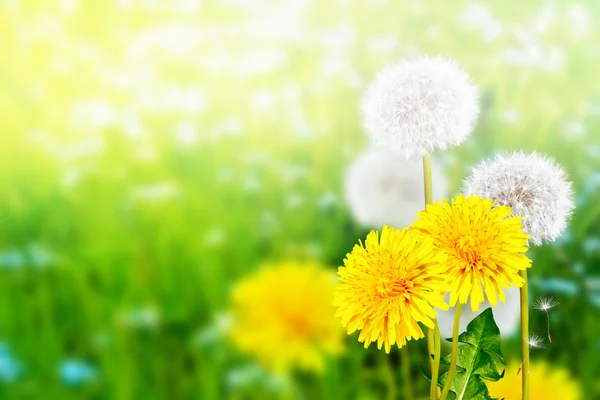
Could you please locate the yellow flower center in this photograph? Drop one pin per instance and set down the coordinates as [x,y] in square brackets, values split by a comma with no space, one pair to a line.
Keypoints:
[297,324]
[392,288]
[468,251]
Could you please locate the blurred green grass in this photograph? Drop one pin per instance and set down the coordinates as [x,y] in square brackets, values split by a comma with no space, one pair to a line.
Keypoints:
[159,152]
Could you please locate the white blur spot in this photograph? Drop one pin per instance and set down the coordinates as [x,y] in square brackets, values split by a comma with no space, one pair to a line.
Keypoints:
[155,192]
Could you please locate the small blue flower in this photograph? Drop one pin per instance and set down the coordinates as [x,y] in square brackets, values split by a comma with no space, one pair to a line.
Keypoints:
[592,183]
[11,259]
[591,246]
[595,299]
[75,372]
[10,369]
[557,285]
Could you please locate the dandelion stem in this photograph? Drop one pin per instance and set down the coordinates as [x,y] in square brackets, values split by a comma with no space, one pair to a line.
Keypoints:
[406,364]
[430,347]
[433,335]
[434,390]
[525,336]
[390,378]
[427,179]
[454,356]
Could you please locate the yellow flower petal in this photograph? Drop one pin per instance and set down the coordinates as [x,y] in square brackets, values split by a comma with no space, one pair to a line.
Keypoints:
[389,285]
[546,382]
[484,247]
[283,317]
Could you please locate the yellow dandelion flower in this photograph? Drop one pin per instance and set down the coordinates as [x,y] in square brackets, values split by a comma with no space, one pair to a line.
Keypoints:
[388,286]
[547,382]
[282,316]
[484,247]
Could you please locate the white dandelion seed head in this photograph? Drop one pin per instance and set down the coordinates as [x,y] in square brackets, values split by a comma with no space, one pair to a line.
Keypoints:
[534,186]
[535,341]
[416,106]
[381,188]
[506,315]
[545,303]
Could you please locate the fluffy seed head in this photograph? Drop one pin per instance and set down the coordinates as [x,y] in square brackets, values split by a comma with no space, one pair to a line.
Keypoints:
[416,106]
[532,185]
[545,303]
[381,188]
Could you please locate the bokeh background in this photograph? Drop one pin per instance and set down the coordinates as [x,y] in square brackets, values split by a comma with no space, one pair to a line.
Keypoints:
[152,154]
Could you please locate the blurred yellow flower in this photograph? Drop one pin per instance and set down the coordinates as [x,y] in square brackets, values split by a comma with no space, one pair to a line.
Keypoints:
[282,316]
[484,247]
[390,285]
[547,382]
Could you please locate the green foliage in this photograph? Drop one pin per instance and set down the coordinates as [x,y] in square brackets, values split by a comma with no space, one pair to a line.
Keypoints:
[104,102]
[476,359]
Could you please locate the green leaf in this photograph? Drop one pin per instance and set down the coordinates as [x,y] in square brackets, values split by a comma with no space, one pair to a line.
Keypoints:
[477,359]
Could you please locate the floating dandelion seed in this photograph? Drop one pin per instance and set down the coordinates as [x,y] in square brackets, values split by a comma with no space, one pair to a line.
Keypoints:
[535,341]
[545,304]
[416,106]
[533,186]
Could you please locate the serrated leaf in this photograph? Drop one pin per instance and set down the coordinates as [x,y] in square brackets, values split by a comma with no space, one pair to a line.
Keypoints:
[477,359]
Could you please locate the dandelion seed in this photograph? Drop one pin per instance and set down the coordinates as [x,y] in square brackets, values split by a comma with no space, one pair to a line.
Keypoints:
[545,304]
[535,341]
[416,106]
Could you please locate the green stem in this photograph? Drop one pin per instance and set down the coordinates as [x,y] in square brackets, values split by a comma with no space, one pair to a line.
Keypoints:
[433,335]
[454,356]
[390,379]
[427,179]
[434,389]
[430,347]
[525,336]
[406,364]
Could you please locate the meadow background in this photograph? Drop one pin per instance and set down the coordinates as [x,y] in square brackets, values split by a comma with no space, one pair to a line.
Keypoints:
[154,153]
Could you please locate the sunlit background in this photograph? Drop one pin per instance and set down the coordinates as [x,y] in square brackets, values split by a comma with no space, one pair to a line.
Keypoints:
[154,154]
